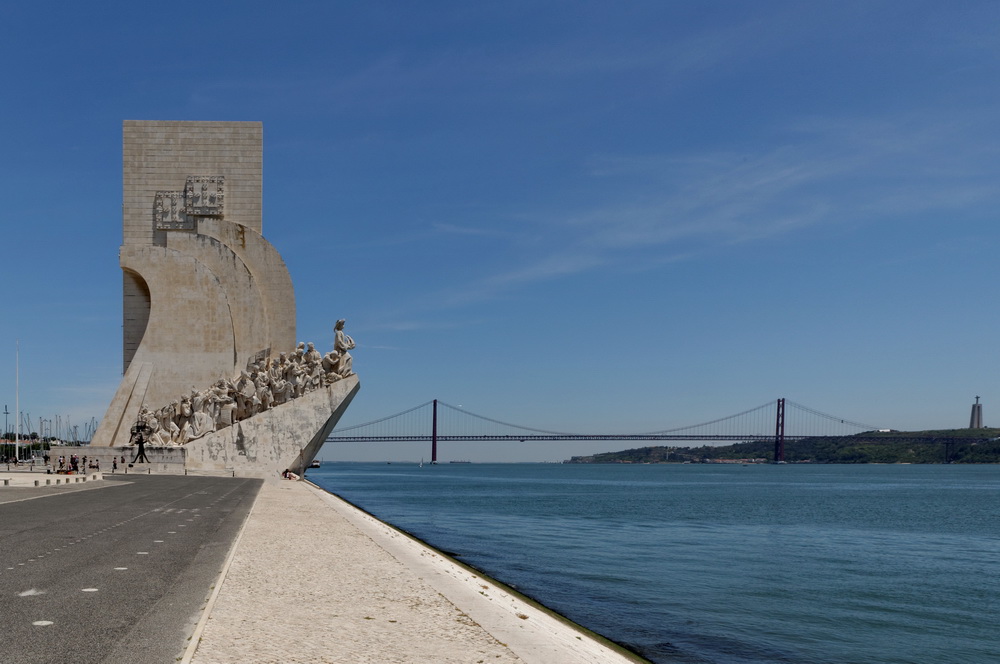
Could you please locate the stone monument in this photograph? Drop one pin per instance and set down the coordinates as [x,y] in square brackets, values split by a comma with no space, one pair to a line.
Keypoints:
[209,352]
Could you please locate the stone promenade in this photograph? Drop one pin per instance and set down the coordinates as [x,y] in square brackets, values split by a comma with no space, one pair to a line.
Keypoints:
[312,579]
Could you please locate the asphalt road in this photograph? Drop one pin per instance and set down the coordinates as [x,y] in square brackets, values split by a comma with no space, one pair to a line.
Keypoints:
[117,572]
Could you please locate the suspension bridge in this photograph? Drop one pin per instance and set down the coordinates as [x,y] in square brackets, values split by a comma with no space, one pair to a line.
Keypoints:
[437,421]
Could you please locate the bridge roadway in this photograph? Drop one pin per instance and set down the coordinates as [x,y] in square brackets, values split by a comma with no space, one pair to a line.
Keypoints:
[734,438]
[114,572]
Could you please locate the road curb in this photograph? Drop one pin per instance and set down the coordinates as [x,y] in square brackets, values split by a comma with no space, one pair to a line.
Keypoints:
[192,647]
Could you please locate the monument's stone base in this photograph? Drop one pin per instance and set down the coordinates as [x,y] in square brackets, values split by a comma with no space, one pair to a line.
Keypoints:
[286,436]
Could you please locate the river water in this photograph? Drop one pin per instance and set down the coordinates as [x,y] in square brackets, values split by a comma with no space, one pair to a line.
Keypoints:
[723,563]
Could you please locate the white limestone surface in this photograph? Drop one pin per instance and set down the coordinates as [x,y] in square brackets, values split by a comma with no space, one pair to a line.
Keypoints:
[315,580]
[285,436]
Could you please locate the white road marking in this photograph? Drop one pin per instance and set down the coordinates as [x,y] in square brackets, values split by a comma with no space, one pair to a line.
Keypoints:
[42,623]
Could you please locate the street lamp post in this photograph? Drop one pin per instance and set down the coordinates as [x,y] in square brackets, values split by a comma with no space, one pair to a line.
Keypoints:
[5,426]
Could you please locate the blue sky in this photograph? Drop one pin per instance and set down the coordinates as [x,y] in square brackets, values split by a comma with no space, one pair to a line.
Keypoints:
[584,216]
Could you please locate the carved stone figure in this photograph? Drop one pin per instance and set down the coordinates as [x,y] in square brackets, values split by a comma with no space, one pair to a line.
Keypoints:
[312,355]
[281,390]
[245,391]
[201,422]
[342,343]
[225,403]
[264,397]
[330,363]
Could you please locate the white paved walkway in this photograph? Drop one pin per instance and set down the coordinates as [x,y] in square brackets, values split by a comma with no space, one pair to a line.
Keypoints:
[313,579]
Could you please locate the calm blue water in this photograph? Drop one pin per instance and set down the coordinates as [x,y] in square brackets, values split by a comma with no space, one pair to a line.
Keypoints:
[723,564]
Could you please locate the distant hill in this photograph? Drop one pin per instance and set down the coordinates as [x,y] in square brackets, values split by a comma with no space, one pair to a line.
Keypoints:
[941,446]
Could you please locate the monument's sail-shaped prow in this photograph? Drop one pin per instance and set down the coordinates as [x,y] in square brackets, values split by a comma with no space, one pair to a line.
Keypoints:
[205,296]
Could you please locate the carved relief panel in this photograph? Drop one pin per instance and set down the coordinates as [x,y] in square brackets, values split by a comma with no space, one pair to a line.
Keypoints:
[203,196]
[168,212]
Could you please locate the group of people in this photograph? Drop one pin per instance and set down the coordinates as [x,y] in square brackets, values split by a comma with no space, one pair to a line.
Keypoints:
[260,387]
[74,463]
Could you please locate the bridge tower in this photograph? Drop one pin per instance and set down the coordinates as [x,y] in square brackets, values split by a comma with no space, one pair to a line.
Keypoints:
[434,434]
[779,432]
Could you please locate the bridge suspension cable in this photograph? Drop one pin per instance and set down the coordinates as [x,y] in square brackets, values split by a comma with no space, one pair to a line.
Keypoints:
[498,422]
[388,425]
[760,424]
[832,418]
[425,423]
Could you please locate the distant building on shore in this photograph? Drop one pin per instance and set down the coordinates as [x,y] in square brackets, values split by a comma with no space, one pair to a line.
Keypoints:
[976,419]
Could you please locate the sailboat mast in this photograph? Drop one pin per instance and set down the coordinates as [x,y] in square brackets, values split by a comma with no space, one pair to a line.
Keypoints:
[17,398]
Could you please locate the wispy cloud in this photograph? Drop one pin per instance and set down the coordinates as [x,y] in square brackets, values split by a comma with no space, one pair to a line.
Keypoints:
[822,171]
[479,231]
[414,325]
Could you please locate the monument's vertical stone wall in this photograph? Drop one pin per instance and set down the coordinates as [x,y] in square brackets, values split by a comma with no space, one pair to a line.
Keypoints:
[159,156]
[203,292]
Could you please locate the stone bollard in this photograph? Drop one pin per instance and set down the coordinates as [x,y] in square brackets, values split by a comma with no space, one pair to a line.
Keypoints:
[48,482]
[36,482]
[6,482]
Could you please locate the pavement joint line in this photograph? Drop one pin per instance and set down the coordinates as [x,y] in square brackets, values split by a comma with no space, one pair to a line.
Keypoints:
[210,604]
